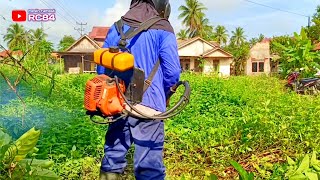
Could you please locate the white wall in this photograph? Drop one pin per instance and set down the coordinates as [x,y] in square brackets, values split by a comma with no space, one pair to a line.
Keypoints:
[207,68]
[225,67]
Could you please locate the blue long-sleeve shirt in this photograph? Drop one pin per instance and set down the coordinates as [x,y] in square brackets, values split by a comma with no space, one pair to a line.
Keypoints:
[147,47]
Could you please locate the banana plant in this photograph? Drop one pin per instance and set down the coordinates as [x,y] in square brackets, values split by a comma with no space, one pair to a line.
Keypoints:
[298,53]
[244,175]
[308,168]
[13,162]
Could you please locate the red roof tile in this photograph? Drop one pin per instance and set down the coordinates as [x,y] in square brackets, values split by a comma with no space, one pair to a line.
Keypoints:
[265,40]
[99,32]
[317,47]
[5,54]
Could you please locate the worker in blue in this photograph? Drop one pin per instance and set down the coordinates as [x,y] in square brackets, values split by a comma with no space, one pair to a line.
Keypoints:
[158,42]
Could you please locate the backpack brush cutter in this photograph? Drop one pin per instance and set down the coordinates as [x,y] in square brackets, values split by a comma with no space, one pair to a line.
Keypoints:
[110,97]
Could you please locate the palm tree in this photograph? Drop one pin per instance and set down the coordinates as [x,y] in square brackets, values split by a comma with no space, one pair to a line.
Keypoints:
[182,34]
[16,36]
[38,35]
[261,37]
[192,14]
[238,36]
[206,30]
[221,34]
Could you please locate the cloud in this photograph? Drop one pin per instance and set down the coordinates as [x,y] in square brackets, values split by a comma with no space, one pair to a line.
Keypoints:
[269,24]
[115,12]
[224,6]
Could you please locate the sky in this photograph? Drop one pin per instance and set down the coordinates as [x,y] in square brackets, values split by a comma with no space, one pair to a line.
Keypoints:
[255,19]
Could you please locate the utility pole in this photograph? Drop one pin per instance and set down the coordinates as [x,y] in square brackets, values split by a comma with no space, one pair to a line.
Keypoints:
[309,21]
[80,29]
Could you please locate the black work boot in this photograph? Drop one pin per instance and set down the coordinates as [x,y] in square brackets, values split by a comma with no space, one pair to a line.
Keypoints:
[108,176]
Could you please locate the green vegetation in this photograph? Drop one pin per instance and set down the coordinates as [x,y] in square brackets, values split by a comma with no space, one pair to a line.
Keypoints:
[239,127]
[297,54]
[66,42]
[251,120]
[13,164]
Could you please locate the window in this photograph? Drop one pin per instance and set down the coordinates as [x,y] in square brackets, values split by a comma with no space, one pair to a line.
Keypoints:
[257,66]
[216,67]
[254,67]
[187,68]
[261,66]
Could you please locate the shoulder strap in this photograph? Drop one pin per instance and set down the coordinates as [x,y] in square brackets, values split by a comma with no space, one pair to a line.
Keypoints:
[133,32]
[147,82]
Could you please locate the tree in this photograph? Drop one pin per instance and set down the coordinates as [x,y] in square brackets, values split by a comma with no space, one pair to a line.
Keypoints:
[182,34]
[37,35]
[206,31]
[283,40]
[65,42]
[297,54]
[314,30]
[261,37]
[221,34]
[192,15]
[16,36]
[240,56]
[238,36]
[255,40]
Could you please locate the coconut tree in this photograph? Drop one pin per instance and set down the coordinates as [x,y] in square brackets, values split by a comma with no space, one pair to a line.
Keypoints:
[16,36]
[37,35]
[221,34]
[192,15]
[206,30]
[182,34]
[238,36]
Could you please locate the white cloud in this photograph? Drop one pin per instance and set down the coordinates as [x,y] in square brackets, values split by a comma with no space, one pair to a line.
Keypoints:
[224,6]
[115,12]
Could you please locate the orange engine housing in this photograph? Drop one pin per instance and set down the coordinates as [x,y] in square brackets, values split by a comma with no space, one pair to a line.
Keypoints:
[102,94]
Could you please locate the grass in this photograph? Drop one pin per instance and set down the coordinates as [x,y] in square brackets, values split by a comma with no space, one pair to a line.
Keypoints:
[252,120]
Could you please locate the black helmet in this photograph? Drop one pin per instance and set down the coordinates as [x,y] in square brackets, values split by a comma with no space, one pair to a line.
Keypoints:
[162,6]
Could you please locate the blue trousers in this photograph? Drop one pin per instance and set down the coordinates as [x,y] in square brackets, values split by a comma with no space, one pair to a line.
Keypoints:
[148,138]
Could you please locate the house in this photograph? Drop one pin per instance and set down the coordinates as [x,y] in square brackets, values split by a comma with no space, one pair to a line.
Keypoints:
[8,53]
[199,55]
[99,34]
[260,59]
[317,47]
[78,58]
[196,54]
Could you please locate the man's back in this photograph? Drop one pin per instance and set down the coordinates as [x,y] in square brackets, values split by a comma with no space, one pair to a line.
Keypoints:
[147,47]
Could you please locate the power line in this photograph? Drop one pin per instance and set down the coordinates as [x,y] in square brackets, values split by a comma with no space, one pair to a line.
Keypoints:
[64,9]
[278,9]
[80,29]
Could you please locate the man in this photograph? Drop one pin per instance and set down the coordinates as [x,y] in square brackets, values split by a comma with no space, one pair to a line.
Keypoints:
[159,42]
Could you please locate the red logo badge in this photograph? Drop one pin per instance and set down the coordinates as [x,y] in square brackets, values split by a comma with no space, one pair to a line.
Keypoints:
[19,15]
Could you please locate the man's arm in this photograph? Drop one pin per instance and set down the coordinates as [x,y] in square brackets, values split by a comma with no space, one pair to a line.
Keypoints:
[170,61]
[109,41]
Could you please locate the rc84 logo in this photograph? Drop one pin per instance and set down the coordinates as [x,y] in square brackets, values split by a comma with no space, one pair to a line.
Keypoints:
[39,15]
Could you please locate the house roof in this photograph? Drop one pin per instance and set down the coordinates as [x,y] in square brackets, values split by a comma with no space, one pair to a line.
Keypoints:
[6,53]
[94,43]
[265,40]
[99,32]
[184,43]
[100,43]
[317,47]
[217,49]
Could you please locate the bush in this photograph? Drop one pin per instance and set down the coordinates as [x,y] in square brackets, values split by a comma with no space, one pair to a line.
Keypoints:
[251,120]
